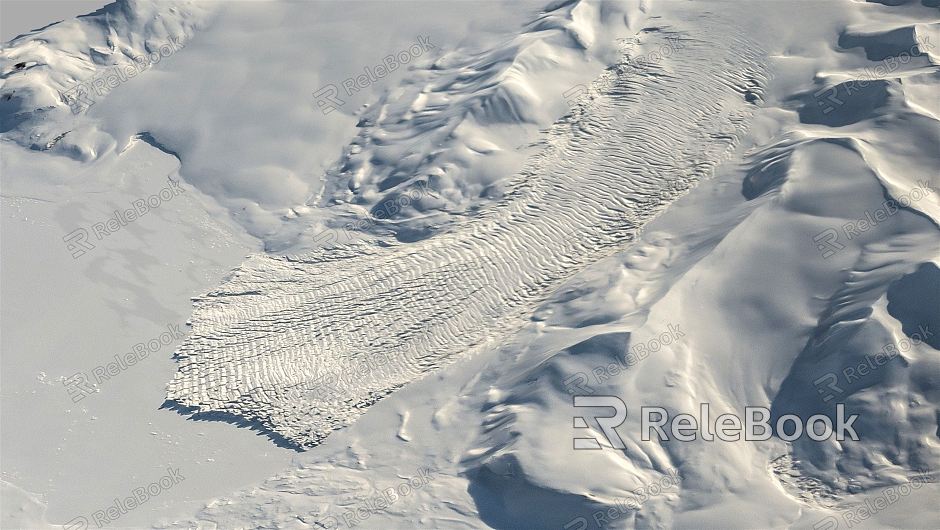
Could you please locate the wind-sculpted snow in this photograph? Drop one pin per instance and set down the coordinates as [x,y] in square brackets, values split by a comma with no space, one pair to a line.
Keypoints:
[461,127]
[799,333]
[472,240]
[302,345]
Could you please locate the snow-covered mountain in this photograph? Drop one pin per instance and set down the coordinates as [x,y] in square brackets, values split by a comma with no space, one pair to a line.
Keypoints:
[668,203]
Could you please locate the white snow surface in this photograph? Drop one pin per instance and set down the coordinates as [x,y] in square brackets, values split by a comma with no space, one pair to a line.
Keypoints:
[434,261]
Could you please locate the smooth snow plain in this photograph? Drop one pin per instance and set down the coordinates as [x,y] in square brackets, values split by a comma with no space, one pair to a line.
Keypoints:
[409,281]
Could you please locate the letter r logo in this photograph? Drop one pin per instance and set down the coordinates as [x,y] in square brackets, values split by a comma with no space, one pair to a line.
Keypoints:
[830,379]
[580,521]
[826,242]
[829,523]
[327,99]
[77,242]
[606,423]
[329,523]
[78,523]
[831,101]
[577,382]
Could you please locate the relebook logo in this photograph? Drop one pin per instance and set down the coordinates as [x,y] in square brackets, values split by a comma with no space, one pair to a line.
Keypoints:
[81,96]
[77,241]
[871,506]
[108,515]
[827,241]
[327,97]
[755,425]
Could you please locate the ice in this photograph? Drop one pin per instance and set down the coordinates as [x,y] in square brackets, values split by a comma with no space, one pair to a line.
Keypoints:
[411,286]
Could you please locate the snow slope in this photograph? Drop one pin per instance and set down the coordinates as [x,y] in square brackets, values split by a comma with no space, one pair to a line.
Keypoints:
[717,194]
[405,310]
